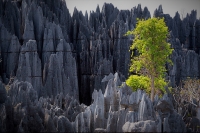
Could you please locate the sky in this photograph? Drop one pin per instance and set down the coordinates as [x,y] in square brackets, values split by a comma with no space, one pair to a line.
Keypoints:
[169,6]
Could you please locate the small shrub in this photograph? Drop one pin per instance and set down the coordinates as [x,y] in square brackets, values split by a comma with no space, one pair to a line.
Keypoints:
[143,82]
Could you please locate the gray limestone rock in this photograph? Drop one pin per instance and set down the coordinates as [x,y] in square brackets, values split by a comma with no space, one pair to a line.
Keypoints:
[73,110]
[22,92]
[11,18]
[131,116]
[29,66]
[110,97]
[103,69]
[175,71]
[48,44]
[82,122]
[87,118]
[53,84]
[176,123]
[21,109]
[13,56]
[107,78]
[28,31]
[194,124]
[58,12]
[117,80]
[70,68]
[134,100]
[112,121]
[18,114]
[145,111]
[61,67]
[99,130]
[120,46]
[5,38]
[3,93]
[48,123]
[3,118]
[159,123]
[32,121]
[142,126]
[121,119]
[198,113]
[64,125]
[62,113]
[99,109]
[166,127]
[46,114]
[124,93]
[75,54]
[35,14]
[190,64]
[164,106]
[197,35]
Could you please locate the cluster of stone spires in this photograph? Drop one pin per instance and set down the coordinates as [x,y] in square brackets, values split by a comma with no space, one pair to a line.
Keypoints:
[117,110]
[56,53]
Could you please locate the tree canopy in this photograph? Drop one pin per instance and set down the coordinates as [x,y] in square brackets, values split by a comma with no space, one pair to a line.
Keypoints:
[150,40]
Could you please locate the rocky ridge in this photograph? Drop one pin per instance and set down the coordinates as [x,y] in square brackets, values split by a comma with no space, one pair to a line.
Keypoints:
[60,60]
[117,110]
[88,48]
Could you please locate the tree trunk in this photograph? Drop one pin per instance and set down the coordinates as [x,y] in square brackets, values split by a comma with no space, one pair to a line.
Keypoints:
[152,88]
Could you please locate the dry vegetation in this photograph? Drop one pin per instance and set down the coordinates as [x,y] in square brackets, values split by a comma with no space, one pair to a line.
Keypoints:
[187,97]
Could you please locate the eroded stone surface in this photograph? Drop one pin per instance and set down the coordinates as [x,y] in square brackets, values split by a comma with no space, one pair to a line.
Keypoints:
[59,60]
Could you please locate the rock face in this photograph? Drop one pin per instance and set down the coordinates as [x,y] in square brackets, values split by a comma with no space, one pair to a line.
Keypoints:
[3,94]
[109,112]
[144,126]
[52,61]
[25,112]
[88,49]
[29,66]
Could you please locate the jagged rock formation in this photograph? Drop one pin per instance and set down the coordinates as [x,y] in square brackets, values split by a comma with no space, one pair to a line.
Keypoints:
[59,60]
[3,94]
[118,109]
[143,126]
[29,65]
[25,112]
[90,48]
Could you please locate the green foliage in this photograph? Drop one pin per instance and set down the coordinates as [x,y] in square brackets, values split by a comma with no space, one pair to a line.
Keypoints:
[135,82]
[150,40]
[143,82]
[160,83]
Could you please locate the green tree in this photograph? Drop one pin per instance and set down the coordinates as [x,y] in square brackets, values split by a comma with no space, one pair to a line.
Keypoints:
[150,40]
